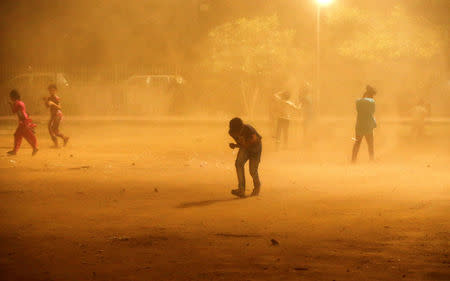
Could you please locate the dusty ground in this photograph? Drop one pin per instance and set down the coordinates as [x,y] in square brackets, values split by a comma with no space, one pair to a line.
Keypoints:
[146,202]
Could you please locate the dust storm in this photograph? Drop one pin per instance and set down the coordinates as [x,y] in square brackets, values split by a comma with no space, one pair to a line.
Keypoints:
[124,140]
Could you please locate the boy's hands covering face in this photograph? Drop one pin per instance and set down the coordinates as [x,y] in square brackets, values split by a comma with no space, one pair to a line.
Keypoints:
[233,145]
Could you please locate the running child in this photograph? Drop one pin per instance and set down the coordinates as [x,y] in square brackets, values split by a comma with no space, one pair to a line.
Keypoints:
[365,122]
[25,128]
[56,115]
[249,143]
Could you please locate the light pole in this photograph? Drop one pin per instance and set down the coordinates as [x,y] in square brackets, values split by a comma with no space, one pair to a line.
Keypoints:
[320,3]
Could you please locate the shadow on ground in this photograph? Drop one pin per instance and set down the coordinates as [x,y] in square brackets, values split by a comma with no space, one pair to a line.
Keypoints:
[203,203]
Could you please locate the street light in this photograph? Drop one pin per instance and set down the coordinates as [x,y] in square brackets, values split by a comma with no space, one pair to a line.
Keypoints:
[320,3]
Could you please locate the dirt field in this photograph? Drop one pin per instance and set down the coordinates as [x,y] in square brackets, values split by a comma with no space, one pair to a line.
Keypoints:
[152,202]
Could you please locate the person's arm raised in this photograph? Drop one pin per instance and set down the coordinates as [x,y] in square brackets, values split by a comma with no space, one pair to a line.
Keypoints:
[52,104]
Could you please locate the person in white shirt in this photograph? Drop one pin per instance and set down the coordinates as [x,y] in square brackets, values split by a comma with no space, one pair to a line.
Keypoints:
[419,113]
[283,110]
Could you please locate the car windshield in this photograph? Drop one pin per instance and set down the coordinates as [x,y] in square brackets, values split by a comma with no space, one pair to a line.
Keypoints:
[20,80]
[162,81]
[138,81]
[159,81]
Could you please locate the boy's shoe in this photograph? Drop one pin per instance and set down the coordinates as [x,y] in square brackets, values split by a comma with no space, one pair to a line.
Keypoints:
[238,192]
[11,153]
[35,150]
[255,192]
[66,140]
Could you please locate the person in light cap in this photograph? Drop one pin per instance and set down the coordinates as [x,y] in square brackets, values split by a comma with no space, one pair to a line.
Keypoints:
[365,122]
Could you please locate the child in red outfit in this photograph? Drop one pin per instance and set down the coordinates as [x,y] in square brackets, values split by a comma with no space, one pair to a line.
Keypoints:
[56,115]
[25,128]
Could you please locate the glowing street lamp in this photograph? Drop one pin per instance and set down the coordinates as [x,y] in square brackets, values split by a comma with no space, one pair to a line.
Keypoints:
[320,3]
[324,2]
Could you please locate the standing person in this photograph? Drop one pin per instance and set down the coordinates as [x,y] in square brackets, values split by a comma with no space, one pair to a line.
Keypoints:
[249,143]
[365,122]
[419,113]
[305,103]
[56,115]
[25,128]
[283,108]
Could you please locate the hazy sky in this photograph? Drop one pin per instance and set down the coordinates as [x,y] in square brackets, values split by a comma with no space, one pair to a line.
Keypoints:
[93,32]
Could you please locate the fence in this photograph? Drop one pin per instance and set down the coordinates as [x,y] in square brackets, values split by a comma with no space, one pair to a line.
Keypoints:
[87,74]
[85,90]
[100,91]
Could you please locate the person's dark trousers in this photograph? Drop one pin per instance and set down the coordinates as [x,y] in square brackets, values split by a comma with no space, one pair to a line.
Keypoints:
[253,155]
[282,128]
[357,144]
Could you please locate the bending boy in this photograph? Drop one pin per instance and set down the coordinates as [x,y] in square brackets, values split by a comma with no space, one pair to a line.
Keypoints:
[249,143]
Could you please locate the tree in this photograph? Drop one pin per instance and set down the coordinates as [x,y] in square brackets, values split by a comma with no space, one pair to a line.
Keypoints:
[398,49]
[253,49]
[373,38]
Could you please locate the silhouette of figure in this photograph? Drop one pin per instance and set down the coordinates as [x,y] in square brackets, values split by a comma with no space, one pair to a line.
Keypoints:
[56,115]
[283,108]
[365,122]
[25,128]
[419,113]
[306,105]
[250,147]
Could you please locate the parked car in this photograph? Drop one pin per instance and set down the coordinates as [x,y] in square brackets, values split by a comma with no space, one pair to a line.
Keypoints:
[151,94]
[32,87]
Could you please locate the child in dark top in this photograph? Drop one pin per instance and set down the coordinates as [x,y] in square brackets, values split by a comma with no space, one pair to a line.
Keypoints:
[249,143]
[365,122]
[56,115]
[25,128]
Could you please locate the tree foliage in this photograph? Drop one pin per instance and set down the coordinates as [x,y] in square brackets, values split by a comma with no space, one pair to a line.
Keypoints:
[255,51]
[253,46]
[374,37]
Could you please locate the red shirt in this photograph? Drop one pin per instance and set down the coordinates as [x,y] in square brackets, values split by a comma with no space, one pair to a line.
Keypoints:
[19,108]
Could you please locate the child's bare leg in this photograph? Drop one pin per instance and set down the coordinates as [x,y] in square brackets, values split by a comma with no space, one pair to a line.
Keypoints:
[56,132]
[51,132]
